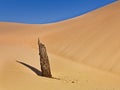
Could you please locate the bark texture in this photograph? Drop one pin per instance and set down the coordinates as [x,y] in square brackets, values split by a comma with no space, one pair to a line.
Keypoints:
[44,60]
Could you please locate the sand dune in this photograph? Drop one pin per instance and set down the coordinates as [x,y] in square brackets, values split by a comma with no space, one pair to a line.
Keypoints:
[84,52]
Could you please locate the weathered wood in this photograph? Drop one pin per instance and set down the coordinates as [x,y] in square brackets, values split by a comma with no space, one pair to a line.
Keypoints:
[44,60]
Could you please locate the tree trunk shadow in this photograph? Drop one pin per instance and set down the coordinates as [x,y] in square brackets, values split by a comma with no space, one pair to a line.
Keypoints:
[35,70]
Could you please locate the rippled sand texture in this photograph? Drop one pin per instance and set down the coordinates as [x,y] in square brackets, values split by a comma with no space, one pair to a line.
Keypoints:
[84,52]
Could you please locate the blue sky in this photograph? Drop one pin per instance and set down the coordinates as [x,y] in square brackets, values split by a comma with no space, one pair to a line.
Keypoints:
[46,11]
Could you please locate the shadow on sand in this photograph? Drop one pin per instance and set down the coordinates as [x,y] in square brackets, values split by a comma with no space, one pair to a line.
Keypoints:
[36,71]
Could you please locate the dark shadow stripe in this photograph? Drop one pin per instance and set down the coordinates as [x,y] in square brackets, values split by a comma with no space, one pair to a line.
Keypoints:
[36,71]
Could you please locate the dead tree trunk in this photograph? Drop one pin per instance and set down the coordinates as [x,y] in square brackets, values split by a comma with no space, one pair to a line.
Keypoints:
[44,61]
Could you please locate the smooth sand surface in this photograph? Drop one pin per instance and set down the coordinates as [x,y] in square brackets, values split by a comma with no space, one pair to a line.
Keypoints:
[84,52]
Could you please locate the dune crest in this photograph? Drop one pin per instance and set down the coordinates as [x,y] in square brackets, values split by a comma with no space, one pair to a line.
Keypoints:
[84,52]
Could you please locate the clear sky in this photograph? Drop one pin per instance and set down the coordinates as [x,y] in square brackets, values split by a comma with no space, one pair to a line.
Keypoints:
[46,11]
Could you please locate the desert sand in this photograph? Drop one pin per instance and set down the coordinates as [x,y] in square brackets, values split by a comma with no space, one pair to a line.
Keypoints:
[84,52]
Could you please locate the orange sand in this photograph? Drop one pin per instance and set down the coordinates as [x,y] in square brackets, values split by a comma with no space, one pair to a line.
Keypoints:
[84,52]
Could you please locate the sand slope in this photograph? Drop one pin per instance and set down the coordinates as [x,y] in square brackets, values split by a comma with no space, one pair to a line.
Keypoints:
[84,52]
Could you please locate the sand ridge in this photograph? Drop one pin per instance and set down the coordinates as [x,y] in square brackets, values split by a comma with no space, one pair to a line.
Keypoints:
[84,52]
